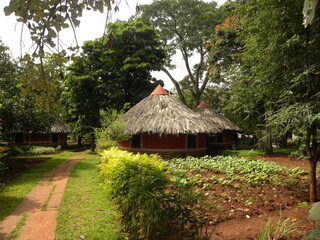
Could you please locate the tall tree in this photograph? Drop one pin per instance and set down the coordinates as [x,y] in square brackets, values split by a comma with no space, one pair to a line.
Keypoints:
[184,26]
[21,112]
[112,71]
[284,69]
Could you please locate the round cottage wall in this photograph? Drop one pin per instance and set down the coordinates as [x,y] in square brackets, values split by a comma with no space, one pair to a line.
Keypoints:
[167,146]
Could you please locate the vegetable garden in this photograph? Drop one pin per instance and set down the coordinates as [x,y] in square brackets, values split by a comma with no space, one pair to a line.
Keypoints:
[199,198]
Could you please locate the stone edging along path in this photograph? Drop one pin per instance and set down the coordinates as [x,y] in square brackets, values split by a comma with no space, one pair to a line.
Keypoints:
[40,205]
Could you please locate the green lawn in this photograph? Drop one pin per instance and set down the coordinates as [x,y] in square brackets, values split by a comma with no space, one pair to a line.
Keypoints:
[254,152]
[13,193]
[85,209]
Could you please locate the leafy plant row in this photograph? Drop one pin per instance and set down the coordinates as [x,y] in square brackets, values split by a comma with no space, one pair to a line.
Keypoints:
[245,170]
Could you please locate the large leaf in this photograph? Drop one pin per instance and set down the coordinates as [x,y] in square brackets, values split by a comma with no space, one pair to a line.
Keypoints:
[309,10]
[315,234]
[314,213]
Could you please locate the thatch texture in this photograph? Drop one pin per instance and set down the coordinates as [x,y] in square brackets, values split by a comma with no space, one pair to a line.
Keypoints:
[61,128]
[163,114]
[217,119]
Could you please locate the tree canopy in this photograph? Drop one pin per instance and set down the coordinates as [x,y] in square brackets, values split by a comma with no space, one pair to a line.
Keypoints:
[21,113]
[113,71]
[184,26]
[279,72]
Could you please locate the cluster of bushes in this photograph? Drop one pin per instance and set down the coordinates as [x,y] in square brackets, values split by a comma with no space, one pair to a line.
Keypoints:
[33,150]
[152,204]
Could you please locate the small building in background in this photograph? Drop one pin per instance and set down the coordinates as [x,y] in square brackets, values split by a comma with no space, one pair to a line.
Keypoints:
[57,136]
[161,124]
[227,137]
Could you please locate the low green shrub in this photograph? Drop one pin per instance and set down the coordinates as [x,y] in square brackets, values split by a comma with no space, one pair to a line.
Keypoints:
[136,183]
[111,131]
[314,214]
[39,150]
[15,150]
[300,153]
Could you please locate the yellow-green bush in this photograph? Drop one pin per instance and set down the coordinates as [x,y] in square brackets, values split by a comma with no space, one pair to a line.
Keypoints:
[136,183]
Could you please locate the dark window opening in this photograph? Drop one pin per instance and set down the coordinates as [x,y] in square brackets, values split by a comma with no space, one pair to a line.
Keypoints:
[135,141]
[54,137]
[219,138]
[212,139]
[19,138]
[192,141]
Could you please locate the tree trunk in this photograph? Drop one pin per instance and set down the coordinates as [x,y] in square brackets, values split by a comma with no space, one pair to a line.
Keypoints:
[312,151]
[79,141]
[313,181]
[284,140]
[196,100]
[269,148]
[176,84]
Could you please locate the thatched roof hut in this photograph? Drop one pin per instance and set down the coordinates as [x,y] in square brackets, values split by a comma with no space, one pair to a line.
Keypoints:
[163,125]
[216,118]
[162,114]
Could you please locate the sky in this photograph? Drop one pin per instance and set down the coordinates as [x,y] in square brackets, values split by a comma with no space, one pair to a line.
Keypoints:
[91,27]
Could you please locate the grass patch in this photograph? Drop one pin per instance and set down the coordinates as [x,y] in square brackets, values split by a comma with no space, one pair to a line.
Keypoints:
[16,232]
[254,152]
[45,205]
[13,193]
[85,209]
[241,152]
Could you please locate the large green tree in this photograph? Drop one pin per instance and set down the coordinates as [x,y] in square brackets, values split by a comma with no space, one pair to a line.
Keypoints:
[112,71]
[21,112]
[184,26]
[282,70]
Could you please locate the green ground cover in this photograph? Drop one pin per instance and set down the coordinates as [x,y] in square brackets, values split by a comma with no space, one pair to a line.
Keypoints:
[254,152]
[85,211]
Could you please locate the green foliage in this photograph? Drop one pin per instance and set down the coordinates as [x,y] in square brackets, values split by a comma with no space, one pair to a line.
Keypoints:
[184,26]
[300,154]
[283,230]
[45,20]
[136,183]
[242,152]
[154,206]
[112,71]
[309,10]
[21,111]
[38,150]
[3,149]
[314,214]
[111,131]
[239,169]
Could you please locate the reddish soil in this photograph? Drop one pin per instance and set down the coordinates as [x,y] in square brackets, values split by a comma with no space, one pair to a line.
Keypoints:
[245,212]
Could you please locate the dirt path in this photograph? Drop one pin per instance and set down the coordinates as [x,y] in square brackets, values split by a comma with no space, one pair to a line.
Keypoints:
[39,208]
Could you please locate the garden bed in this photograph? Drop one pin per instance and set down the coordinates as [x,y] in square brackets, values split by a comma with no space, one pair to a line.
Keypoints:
[244,199]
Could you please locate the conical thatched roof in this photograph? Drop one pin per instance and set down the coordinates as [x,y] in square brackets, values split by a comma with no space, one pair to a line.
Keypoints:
[215,118]
[162,114]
